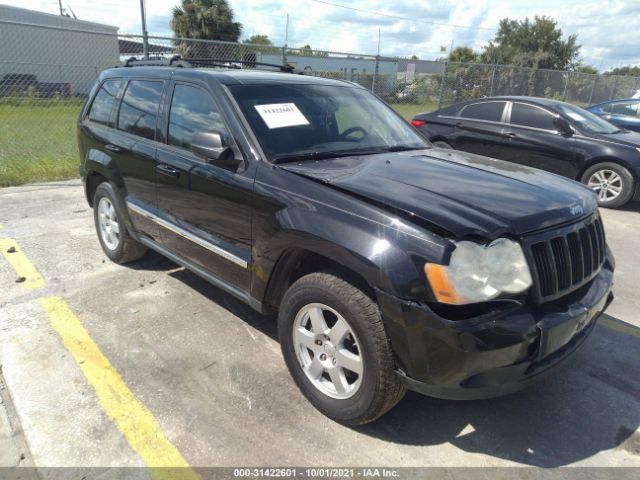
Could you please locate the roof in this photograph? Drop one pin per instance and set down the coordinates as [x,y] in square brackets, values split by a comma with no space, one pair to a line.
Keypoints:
[616,101]
[547,102]
[226,76]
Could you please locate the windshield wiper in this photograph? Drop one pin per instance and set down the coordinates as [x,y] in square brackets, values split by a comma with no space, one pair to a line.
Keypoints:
[401,148]
[295,157]
[321,155]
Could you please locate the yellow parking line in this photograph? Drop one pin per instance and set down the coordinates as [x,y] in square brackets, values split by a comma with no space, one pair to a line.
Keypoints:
[619,326]
[135,421]
[21,264]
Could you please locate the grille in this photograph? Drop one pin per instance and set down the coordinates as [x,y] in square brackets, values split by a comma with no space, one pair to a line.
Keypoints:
[564,261]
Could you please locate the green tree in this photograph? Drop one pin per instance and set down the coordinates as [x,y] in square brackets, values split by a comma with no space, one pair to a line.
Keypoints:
[536,44]
[584,68]
[205,19]
[258,40]
[463,54]
[627,70]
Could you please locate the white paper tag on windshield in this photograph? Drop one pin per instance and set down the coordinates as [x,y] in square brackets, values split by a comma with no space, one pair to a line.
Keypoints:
[278,115]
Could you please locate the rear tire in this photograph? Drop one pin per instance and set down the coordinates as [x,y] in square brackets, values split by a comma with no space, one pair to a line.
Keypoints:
[114,238]
[329,331]
[441,144]
[613,184]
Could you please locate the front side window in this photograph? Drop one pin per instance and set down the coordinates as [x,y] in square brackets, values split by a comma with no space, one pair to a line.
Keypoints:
[530,116]
[139,108]
[103,102]
[585,120]
[293,120]
[491,111]
[192,111]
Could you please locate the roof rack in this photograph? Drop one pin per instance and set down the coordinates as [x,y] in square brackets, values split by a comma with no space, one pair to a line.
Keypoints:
[178,61]
[175,61]
[205,62]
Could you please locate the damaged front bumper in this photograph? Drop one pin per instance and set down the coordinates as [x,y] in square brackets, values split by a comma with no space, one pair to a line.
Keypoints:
[493,354]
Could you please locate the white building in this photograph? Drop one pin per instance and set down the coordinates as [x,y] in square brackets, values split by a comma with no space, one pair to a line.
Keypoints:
[55,48]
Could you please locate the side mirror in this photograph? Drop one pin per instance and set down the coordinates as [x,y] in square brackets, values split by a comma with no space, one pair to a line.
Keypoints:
[563,126]
[211,148]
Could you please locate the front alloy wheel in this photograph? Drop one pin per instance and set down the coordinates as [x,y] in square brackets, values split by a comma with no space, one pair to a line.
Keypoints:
[606,183]
[327,350]
[612,183]
[335,346]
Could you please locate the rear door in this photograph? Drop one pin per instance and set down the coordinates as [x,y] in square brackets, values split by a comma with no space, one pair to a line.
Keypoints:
[532,139]
[133,147]
[206,209]
[479,128]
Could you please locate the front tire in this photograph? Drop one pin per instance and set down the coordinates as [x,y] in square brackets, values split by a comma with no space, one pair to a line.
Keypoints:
[114,238]
[613,184]
[335,346]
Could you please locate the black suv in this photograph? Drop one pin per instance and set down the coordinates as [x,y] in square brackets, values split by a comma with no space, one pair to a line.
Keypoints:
[391,264]
[543,133]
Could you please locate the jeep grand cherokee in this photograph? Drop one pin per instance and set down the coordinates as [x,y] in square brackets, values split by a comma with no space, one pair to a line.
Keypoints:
[392,264]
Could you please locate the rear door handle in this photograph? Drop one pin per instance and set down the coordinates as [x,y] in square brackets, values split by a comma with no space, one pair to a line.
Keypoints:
[113,148]
[511,134]
[165,169]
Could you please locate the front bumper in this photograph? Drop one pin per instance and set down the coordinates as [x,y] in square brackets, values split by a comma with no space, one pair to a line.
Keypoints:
[493,354]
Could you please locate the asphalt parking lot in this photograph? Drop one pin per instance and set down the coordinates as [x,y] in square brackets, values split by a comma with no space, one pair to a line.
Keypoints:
[209,386]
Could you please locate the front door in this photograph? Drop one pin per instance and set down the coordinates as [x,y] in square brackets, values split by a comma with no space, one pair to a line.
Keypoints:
[206,209]
[532,139]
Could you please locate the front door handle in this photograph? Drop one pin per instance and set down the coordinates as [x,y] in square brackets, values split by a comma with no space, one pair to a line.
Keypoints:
[511,134]
[113,148]
[165,169]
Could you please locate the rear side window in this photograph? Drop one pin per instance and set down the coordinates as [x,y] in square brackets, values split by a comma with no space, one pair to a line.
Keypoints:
[104,101]
[484,111]
[139,108]
[530,116]
[623,108]
[192,111]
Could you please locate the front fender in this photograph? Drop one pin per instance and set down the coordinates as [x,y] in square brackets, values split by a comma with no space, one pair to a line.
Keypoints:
[293,213]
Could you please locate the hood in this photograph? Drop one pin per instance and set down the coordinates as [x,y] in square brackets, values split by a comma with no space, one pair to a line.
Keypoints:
[462,193]
[630,139]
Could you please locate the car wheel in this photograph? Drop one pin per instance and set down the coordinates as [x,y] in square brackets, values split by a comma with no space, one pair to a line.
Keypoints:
[613,184]
[115,241]
[336,348]
[441,144]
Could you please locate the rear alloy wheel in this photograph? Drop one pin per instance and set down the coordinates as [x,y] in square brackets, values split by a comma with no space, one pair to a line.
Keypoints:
[114,238]
[108,224]
[612,183]
[336,349]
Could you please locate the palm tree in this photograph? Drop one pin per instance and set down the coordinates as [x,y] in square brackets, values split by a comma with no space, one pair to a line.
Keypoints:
[205,20]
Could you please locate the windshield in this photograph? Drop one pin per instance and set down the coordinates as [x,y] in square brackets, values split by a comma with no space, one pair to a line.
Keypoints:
[587,121]
[294,121]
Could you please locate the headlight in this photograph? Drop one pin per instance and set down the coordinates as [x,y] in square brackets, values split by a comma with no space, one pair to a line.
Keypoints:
[477,273]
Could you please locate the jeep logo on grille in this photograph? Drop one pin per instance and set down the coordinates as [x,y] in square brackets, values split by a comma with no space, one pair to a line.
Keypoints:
[576,210]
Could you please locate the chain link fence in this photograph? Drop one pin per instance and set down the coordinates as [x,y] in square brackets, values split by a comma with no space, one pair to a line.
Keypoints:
[46,73]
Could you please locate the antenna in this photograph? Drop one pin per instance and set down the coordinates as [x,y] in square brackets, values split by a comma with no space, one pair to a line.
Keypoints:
[72,12]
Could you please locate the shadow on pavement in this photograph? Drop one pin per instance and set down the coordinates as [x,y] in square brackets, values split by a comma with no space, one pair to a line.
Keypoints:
[589,404]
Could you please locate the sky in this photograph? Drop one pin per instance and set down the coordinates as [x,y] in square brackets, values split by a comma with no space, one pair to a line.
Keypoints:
[605,28]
